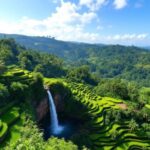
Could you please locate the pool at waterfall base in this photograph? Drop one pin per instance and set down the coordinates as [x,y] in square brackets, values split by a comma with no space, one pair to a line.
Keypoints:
[67,129]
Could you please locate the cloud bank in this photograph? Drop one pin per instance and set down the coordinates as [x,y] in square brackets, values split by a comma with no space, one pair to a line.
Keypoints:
[119,4]
[69,23]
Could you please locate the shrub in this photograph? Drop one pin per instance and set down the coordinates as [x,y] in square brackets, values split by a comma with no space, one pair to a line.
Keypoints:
[3,94]
[114,88]
[37,86]
[18,90]
[60,144]
[32,139]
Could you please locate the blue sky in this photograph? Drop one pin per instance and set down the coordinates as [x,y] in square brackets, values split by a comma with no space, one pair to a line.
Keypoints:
[95,21]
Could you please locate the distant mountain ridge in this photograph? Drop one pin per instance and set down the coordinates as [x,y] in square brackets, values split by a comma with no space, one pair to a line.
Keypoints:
[47,44]
[53,46]
[147,47]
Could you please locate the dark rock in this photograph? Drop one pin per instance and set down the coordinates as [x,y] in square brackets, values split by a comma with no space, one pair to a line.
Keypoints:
[42,109]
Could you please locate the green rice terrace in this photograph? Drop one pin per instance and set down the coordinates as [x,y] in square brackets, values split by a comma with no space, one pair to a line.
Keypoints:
[11,117]
[103,135]
[102,131]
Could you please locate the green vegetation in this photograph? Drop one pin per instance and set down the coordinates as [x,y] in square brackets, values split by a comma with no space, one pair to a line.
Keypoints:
[3,94]
[31,138]
[107,128]
[113,112]
[107,61]
[10,118]
[81,74]
[11,53]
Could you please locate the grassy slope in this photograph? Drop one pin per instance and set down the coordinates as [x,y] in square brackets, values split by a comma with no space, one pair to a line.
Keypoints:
[11,116]
[100,134]
[14,123]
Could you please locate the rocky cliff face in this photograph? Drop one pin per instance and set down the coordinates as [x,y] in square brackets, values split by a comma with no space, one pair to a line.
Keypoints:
[42,109]
[59,102]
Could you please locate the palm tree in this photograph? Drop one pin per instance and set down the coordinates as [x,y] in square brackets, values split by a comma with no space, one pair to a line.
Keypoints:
[118,116]
[133,125]
[107,120]
[146,126]
[144,96]
[2,67]
[145,113]
[114,134]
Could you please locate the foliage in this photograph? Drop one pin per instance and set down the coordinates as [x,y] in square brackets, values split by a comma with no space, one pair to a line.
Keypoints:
[108,126]
[48,65]
[108,61]
[144,95]
[37,86]
[8,51]
[133,125]
[114,134]
[60,144]
[57,87]
[113,88]
[31,138]
[146,127]
[22,85]
[2,67]
[145,112]
[81,74]
[18,90]
[133,91]
[65,99]
[102,120]
[4,93]
[12,53]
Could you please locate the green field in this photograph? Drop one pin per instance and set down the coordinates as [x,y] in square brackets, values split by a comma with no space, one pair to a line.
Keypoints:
[114,136]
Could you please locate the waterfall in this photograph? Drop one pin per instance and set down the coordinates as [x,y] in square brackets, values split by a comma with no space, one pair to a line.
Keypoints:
[55,128]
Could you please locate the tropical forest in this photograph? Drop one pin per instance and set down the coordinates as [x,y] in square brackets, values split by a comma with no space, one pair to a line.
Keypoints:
[104,105]
[78,79]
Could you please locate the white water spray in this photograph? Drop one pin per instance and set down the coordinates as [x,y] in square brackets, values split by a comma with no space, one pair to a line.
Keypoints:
[55,128]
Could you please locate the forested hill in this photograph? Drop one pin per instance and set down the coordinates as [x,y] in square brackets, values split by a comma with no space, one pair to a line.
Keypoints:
[108,61]
[12,53]
[110,113]
[49,44]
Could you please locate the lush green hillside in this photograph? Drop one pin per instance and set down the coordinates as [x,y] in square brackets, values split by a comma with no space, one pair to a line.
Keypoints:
[108,61]
[48,44]
[18,84]
[13,54]
[114,114]
[17,112]
[109,127]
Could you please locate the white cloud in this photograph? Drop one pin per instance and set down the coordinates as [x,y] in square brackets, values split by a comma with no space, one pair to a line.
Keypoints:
[65,24]
[55,1]
[93,5]
[68,32]
[69,24]
[67,13]
[85,2]
[99,27]
[127,39]
[119,4]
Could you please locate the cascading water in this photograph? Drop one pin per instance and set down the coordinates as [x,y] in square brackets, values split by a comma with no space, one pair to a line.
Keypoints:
[55,128]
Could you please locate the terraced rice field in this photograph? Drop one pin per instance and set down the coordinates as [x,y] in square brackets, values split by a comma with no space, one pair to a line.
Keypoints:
[101,135]
[10,118]
[8,121]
